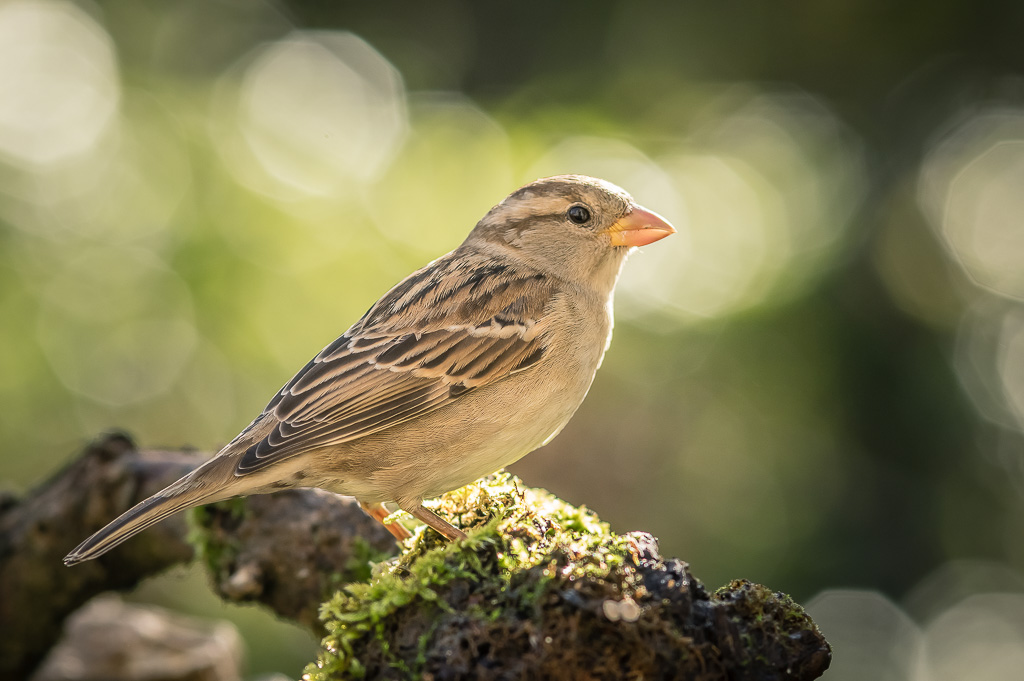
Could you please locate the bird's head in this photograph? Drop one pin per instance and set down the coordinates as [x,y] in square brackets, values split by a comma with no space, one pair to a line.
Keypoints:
[571,225]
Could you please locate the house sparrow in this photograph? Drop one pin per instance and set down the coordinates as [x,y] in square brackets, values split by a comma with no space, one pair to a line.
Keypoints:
[462,368]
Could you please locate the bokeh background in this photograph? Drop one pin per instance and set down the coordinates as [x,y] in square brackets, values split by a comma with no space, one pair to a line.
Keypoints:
[818,384]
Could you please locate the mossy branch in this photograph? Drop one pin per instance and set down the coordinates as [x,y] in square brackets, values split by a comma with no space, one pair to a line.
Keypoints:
[544,590]
[540,589]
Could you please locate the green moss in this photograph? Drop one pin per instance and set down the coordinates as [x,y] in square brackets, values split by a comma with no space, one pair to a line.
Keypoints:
[765,617]
[360,565]
[214,549]
[542,589]
[516,530]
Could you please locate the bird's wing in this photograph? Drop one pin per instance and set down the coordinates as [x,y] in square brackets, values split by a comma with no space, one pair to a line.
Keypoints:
[454,326]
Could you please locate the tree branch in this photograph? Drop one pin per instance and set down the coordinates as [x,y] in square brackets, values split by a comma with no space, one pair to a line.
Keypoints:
[292,547]
[540,589]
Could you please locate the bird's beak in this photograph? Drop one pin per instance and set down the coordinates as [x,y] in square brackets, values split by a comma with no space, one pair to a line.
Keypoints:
[639,227]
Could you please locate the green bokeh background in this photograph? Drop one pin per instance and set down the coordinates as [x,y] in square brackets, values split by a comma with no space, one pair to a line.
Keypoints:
[818,384]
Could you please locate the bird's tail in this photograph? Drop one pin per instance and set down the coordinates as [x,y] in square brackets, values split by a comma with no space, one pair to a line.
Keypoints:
[138,518]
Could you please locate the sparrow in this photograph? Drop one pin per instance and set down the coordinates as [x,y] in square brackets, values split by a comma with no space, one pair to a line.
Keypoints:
[462,368]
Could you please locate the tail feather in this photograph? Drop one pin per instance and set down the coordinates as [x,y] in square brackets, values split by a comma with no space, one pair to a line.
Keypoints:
[136,519]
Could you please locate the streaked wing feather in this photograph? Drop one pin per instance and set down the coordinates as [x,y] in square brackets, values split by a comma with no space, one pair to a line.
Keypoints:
[410,355]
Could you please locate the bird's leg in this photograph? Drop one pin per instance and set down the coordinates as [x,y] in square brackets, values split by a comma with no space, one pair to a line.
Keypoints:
[378,512]
[435,521]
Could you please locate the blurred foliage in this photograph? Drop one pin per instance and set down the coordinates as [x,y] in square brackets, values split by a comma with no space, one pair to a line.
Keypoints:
[818,383]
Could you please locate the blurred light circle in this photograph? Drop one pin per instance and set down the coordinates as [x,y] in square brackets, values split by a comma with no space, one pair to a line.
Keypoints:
[872,638]
[731,213]
[981,637]
[454,166]
[771,185]
[1011,362]
[59,80]
[970,189]
[956,580]
[989,360]
[317,112]
[144,166]
[761,197]
[116,326]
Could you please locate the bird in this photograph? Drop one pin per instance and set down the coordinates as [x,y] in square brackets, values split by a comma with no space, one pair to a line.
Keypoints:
[462,368]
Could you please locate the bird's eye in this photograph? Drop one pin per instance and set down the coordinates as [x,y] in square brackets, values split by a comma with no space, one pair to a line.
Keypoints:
[578,214]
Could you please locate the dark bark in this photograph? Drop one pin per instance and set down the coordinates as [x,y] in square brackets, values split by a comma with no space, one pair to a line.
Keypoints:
[289,550]
[36,590]
[286,550]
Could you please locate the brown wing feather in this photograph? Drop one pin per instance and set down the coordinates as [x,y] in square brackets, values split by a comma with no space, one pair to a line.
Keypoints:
[442,332]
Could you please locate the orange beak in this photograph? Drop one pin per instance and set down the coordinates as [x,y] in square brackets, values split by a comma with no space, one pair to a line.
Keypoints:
[639,227]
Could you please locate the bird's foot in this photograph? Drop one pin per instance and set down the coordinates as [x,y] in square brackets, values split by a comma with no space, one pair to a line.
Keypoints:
[435,521]
[378,512]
